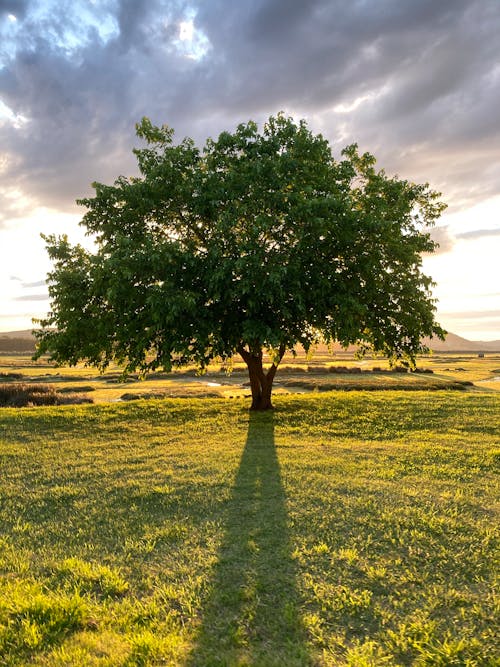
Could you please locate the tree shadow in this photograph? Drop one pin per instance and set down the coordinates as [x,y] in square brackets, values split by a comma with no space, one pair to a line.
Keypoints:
[251,616]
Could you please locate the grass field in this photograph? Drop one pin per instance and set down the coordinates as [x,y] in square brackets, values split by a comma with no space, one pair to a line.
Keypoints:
[345,528]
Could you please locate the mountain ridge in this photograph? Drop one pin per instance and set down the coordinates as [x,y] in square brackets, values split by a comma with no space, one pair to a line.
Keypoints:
[452,343]
[455,343]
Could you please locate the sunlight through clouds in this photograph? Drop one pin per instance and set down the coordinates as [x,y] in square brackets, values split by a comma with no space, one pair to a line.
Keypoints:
[186,31]
[8,116]
[351,106]
[191,42]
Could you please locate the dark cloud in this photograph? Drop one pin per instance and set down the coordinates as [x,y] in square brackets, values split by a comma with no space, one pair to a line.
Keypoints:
[479,234]
[16,8]
[38,283]
[474,314]
[11,316]
[446,239]
[485,321]
[32,297]
[443,237]
[416,83]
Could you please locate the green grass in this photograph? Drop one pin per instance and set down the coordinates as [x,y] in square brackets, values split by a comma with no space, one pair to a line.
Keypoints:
[351,528]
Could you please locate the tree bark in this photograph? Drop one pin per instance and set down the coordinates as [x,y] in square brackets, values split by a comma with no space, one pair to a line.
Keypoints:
[261,382]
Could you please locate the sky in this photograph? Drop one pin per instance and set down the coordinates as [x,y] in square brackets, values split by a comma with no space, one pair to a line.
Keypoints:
[414,82]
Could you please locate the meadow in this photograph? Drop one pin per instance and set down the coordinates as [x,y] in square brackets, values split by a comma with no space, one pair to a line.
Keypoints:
[351,528]
[323,372]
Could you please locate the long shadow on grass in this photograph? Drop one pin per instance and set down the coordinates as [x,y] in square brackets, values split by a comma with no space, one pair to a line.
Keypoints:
[251,614]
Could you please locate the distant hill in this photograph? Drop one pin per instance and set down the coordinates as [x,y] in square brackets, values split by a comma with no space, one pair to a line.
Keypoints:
[17,341]
[453,343]
[25,334]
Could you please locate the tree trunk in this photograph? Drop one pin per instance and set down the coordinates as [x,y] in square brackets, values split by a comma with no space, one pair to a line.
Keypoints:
[261,382]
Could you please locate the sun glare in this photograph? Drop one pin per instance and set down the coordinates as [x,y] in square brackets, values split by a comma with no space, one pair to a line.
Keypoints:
[7,115]
[351,106]
[186,31]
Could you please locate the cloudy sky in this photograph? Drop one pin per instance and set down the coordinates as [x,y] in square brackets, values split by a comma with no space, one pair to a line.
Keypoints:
[415,82]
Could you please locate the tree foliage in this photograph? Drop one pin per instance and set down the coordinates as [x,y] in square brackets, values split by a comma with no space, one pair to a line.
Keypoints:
[256,243]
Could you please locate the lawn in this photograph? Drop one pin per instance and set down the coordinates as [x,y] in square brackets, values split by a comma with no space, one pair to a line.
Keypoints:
[346,528]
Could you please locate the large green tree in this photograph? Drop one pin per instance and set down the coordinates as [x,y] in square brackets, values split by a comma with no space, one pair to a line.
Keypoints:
[256,243]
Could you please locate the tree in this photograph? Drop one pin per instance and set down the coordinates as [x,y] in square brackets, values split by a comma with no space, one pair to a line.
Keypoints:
[257,243]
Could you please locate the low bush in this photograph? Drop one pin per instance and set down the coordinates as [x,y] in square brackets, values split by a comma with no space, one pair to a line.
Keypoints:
[346,385]
[83,389]
[179,393]
[316,369]
[21,394]
[11,376]
[349,370]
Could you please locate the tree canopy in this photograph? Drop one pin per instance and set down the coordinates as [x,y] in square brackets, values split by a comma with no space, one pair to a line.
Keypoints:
[258,242]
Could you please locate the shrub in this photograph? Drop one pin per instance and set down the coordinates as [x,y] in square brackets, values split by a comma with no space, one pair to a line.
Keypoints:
[73,399]
[194,393]
[350,370]
[11,376]
[76,390]
[21,394]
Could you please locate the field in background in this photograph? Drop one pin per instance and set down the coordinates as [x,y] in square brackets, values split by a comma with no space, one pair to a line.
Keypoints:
[296,375]
[347,528]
